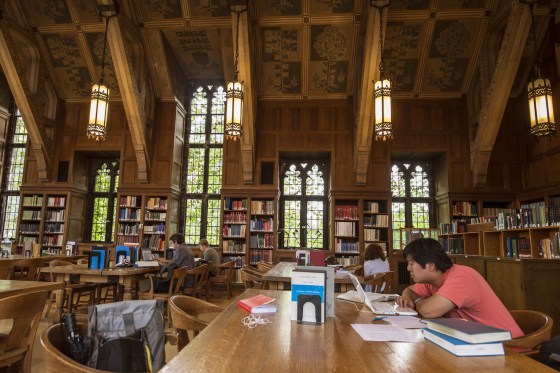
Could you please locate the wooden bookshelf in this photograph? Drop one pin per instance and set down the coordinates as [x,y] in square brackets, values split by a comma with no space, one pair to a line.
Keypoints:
[376,223]
[154,232]
[54,232]
[262,226]
[30,221]
[128,219]
[234,230]
[346,230]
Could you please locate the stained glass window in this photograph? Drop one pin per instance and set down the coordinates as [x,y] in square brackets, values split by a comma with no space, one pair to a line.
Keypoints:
[103,200]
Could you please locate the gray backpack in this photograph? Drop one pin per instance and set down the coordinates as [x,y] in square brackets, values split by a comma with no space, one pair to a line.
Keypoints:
[127,336]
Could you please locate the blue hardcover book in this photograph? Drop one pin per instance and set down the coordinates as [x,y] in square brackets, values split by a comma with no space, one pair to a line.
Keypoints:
[98,258]
[462,348]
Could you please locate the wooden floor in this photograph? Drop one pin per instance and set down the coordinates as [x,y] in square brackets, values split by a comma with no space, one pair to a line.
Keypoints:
[170,350]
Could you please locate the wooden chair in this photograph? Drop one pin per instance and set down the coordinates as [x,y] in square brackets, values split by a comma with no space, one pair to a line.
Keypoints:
[224,276]
[199,276]
[55,347]
[185,313]
[175,286]
[264,266]
[377,280]
[111,290]
[250,279]
[536,325]
[72,293]
[26,269]
[25,310]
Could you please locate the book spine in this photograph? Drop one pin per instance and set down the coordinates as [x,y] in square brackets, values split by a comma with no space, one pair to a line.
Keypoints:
[244,306]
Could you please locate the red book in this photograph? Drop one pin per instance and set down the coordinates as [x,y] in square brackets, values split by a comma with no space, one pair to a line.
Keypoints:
[257,304]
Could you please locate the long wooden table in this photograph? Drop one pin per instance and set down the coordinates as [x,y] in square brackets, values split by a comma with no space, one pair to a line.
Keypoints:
[7,263]
[126,277]
[16,287]
[226,345]
[282,273]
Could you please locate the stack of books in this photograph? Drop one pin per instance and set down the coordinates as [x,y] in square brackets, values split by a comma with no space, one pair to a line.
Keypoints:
[466,338]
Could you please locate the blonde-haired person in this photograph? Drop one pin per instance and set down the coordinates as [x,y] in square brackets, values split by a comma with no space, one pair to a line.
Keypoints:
[210,254]
[375,262]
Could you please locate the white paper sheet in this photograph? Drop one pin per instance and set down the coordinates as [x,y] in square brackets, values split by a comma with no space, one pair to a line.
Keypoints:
[384,333]
[406,322]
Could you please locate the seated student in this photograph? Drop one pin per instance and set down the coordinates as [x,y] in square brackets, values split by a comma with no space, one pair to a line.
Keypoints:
[209,254]
[182,256]
[444,289]
[375,262]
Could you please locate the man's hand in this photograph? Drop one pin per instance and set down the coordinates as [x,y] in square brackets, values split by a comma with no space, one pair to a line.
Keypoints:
[405,302]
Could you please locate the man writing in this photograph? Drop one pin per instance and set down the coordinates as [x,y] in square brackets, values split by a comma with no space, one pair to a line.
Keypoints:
[210,255]
[444,289]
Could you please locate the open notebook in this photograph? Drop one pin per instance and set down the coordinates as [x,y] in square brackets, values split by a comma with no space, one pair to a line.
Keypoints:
[374,301]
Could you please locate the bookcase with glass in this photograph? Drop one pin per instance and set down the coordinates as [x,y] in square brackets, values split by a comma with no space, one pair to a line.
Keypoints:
[261,230]
[53,226]
[128,219]
[154,223]
[376,223]
[30,219]
[346,231]
[234,228]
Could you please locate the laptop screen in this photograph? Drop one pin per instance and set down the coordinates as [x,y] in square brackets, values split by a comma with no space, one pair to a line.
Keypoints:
[147,254]
[361,292]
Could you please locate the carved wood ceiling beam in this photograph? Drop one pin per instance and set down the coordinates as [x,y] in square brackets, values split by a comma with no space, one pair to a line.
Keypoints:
[247,141]
[131,92]
[157,62]
[27,83]
[365,114]
[494,104]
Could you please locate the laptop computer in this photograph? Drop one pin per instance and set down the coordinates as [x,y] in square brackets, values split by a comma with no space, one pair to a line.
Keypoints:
[376,305]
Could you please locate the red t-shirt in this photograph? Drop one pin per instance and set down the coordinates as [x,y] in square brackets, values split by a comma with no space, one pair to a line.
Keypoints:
[474,298]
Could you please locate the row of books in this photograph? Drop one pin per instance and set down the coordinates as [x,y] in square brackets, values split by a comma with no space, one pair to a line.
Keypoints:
[235,204]
[129,214]
[154,242]
[154,229]
[518,247]
[233,231]
[466,338]
[348,260]
[235,218]
[346,212]
[29,228]
[346,247]
[540,216]
[262,241]
[452,245]
[458,226]
[155,215]
[130,201]
[54,227]
[33,201]
[54,240]
[54,215]
[31,215]
[256,256]
[550,248]
[262,207]
[345,228]
[377,221]
[372,234]
[159,203]
[371,207]
[262,224]
[128,229]
[464,208]
[121,239]
[231,246]
[56,201]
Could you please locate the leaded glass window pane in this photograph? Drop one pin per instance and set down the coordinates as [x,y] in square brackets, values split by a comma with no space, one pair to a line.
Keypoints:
[397,182]
[315,215]
[99,226]
[292,211]
[103,180]
[315,184]
[292,182]
[420,215]
[213,226]
[11,216]
[15,175]
[193,220]
[103,202]
[195,170]
[215,170]
[419,183]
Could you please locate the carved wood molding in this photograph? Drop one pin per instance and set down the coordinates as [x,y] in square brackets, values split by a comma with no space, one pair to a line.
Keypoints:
[248,138]
[132,94]
[30,100]
[496,98]
[365,114]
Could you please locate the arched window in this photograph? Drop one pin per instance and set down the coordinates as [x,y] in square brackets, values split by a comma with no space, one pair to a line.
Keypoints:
[203,167]
[104,181]
[413,192]
[303,204]
[13,174]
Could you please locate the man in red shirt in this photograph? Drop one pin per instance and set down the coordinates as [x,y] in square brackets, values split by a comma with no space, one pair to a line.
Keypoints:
[444,289]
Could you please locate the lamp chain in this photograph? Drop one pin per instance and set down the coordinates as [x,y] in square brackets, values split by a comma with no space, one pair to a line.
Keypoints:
[380,9]
[536,60]
[107,19]
[235,63]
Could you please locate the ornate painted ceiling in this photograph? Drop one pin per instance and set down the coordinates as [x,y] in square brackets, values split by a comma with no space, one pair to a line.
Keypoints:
[300,48]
